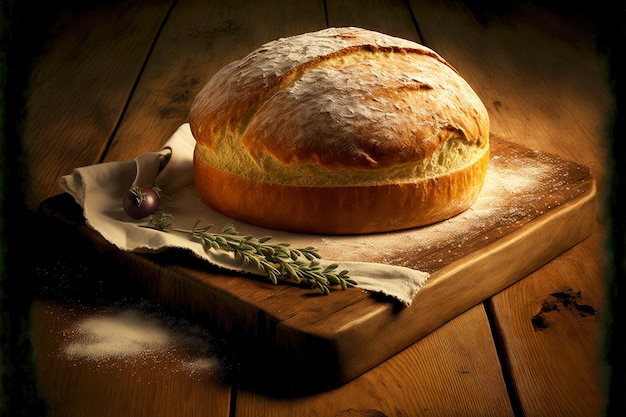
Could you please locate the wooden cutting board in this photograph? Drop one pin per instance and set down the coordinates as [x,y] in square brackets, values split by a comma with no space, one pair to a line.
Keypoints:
[534,207]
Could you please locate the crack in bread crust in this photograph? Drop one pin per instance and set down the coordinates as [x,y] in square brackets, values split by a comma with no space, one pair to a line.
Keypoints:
[311,99]
[380,133]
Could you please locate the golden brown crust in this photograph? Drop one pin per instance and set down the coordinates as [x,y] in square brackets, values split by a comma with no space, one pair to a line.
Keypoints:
[341,131]
[341,210]
[340,98]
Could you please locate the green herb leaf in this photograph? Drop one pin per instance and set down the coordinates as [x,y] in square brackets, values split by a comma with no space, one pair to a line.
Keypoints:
[277,261]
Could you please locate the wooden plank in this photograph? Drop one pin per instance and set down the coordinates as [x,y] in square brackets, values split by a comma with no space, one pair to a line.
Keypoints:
[123,360]
[77,94]
[551,329]
[555,370]
[528,71]
[408,383]
[440,376]
[80,85]
[564,270]
[387,16]
[288,321]
[199,38]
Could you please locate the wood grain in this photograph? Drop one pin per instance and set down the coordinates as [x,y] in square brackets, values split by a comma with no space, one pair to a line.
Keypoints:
[545,89]
[541,104]
[89,371]
[555,94]
[214,33]
[79,87]
[559,317]
[336,335]
[387,16]
[413,383]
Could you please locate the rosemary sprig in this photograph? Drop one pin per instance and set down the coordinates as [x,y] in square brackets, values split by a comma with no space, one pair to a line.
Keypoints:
[276,260]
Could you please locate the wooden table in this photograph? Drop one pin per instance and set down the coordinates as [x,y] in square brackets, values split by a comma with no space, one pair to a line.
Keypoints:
[115,80]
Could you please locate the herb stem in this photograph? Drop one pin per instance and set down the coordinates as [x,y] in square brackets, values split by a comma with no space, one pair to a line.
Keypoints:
[276,260]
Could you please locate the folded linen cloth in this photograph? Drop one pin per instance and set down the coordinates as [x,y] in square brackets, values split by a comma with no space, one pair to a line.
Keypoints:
[99,189]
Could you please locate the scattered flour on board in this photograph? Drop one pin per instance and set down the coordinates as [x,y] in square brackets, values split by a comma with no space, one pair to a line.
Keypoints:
[511,184]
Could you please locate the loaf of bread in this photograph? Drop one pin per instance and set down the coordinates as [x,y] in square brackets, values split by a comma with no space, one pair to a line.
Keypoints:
[340,131]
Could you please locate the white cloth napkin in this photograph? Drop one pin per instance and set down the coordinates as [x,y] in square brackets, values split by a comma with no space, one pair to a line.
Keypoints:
[99,189]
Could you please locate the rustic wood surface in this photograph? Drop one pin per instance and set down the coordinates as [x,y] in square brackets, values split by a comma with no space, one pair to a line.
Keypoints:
[341,343]
[114,80]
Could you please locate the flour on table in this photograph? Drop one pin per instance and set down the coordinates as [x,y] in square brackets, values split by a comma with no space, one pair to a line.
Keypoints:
[134,333]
